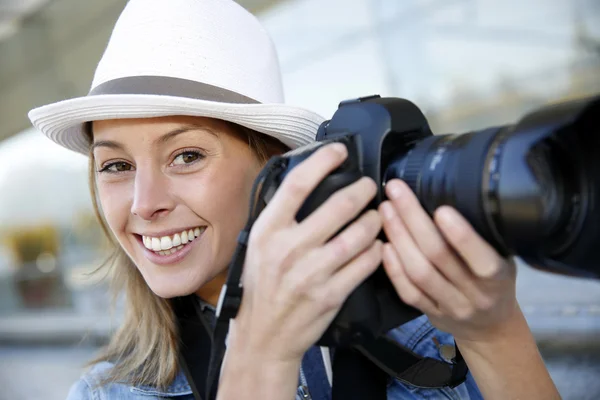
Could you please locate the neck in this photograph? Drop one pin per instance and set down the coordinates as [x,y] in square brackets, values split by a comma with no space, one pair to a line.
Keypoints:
[210,291]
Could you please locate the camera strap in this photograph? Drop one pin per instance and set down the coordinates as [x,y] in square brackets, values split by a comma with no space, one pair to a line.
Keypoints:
[353,368]
[408,367]
[195,334]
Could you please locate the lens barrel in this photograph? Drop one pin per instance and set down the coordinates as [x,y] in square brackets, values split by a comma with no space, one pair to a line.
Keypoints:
[525,192]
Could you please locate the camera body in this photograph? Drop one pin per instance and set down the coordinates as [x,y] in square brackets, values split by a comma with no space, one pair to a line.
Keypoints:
[374,307]
[531,189]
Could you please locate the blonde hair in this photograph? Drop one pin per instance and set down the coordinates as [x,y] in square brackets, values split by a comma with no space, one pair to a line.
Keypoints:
[145,349]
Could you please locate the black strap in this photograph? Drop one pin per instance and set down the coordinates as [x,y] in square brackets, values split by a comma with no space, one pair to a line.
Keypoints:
[354,368]
[357,378]
[459,370]
[403,364]
[216,359]
[195,346]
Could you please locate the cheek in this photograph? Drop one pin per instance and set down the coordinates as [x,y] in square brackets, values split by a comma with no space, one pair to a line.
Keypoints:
[226,204]
[239,188]
[114,204]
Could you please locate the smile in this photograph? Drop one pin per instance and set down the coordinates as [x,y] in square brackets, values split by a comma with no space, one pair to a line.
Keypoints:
[167,245]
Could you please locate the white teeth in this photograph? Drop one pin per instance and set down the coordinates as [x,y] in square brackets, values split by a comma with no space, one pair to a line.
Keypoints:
[166,243]
[169,244]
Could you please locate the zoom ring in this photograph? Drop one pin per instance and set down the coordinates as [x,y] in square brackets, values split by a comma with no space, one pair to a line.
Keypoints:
[414,165]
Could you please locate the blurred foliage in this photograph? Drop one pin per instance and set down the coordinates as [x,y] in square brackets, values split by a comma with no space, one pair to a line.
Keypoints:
[27,244]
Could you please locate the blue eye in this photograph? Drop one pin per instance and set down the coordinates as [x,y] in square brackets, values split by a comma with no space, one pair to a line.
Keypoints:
[187,157]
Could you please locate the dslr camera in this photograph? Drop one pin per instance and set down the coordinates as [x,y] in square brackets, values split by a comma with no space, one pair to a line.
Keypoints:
[531,189]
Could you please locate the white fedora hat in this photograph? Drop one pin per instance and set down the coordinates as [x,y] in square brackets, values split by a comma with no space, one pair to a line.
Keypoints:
[206,58]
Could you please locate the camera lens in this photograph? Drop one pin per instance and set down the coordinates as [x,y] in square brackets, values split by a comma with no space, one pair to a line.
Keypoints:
[550,179]
[518,202]
[449,169]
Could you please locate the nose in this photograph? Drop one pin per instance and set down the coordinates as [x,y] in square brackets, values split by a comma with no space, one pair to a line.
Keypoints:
[151,198]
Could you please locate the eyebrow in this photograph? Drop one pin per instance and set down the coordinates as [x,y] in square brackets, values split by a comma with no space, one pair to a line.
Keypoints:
[162,140]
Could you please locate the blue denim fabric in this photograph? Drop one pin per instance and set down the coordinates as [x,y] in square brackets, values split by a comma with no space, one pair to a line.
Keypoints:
[87,388]
[416,335]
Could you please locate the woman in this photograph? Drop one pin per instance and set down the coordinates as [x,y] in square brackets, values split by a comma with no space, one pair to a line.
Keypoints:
[185,108]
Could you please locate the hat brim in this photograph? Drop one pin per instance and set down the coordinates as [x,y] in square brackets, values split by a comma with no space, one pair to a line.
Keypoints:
[64,121]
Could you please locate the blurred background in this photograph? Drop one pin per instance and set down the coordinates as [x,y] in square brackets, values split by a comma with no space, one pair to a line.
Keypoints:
[467,63]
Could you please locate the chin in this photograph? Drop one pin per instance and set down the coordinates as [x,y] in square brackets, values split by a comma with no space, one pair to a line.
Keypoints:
[169,292]
[168,287]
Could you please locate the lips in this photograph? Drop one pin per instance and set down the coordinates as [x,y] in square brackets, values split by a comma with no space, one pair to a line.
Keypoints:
[174,252]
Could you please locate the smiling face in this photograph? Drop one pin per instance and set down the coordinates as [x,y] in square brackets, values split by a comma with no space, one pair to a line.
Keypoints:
[175,192]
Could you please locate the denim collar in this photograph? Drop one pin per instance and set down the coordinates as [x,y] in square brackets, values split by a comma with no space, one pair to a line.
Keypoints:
[179,387]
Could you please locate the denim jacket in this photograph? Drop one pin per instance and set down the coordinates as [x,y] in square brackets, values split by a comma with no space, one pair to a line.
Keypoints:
[313,384]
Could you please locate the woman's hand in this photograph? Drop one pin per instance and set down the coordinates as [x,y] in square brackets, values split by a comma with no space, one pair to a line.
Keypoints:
[295,278]
[444,268]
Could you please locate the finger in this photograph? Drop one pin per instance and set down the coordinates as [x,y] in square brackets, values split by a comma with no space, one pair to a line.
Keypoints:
[419,270]
[331,291]
[328,296]
[427,236]
[353,240]
[337,211]
[300,182]
[407,291]
[482,258]
[346,279]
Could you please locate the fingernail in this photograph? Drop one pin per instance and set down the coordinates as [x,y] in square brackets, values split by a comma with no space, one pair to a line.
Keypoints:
[394,189]
[449,219]
[340,149]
